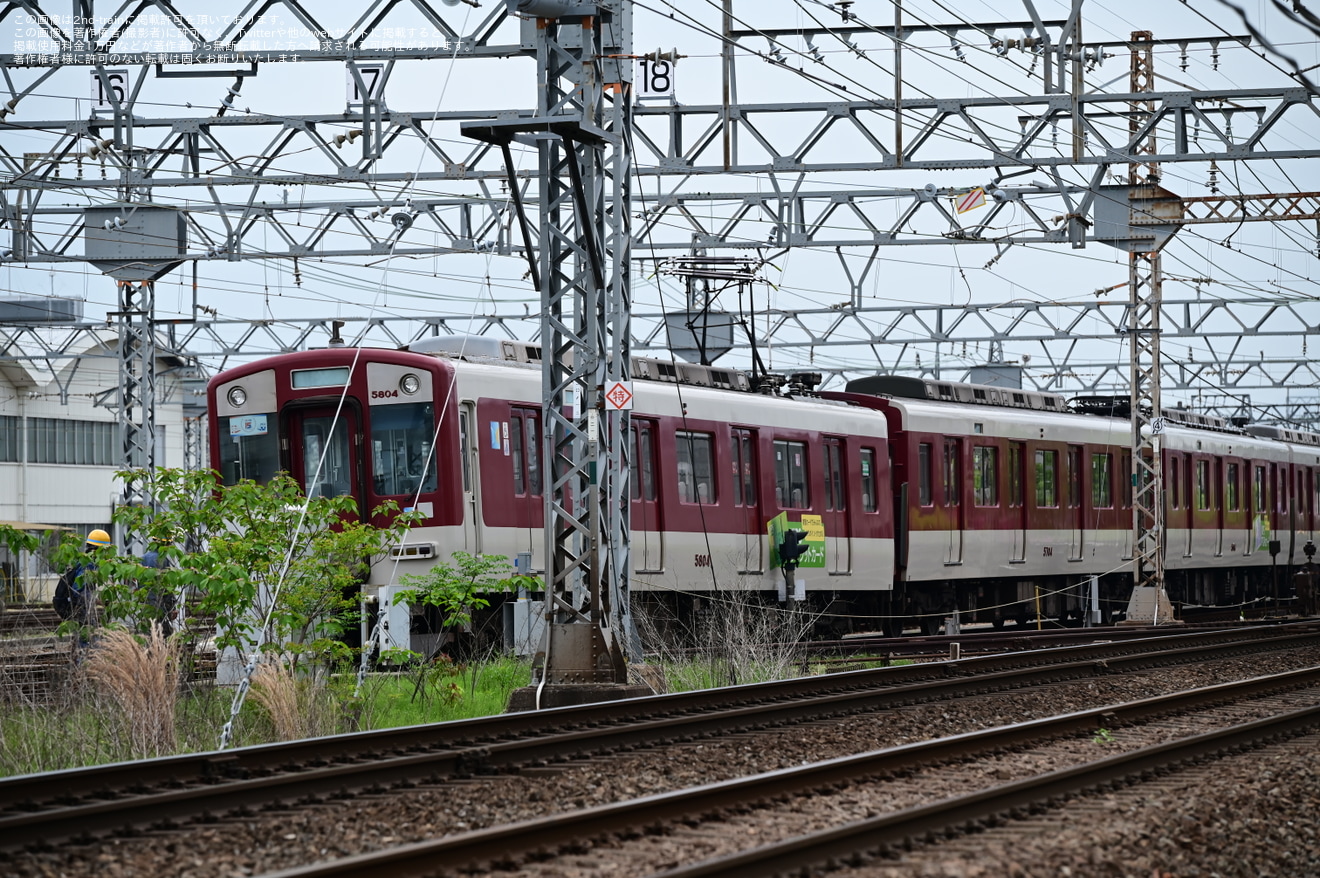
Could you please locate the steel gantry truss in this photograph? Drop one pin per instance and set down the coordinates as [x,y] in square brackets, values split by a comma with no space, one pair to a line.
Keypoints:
[259,185]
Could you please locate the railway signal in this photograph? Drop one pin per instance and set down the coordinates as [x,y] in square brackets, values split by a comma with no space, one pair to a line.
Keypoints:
[793,547]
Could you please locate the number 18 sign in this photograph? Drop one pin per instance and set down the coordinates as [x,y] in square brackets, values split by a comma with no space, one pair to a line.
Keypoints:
[657,79]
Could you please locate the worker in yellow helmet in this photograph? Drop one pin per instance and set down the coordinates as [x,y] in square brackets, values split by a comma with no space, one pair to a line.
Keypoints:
[75,594]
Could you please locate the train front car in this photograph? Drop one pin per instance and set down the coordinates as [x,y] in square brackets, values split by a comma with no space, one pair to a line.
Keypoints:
[355,422]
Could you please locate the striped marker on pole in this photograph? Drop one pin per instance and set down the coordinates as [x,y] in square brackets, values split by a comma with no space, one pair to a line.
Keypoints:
[970,201]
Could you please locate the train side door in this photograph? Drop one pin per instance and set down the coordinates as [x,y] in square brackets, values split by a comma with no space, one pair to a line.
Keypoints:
[1279,490]
[1300,528]
[647,530]
[1076,506]
[1307,507]
[324,450]
[838,536]
[1017,507]
[1257,513]
[524,450]
[1218,500]
[952,468]
[747,500]
[472,526]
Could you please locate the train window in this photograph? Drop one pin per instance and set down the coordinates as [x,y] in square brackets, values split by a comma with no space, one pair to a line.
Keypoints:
[1173,482]
[1281,489]
[1231,487]
[742,450]
[327,462]
[532,444]
[1074,477]
[1217,486]
[696,471]
[1203,485]
[868,480]
[1258,490]
[402,462]
[465,443]
[1015,453]
[641,463]
[525,451]
[1125,477]
[1102,481]
[516,441]
[834,495]
[952,478]
[735,454]
[791,475]
[923,475]
[254,454]
[1047,478]
[747,466]
[985,475]
[1187,482]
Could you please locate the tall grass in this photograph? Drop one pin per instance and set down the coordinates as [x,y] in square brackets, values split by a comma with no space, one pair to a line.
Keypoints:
[140,676]
[298,704]
[94,716]
[737,639]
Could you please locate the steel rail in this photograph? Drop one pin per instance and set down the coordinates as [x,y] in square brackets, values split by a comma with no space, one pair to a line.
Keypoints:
[502,845]
[969,812]
[89,801]
[1012,639]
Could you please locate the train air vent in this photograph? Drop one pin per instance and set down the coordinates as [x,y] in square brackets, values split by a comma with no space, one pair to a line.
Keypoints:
[1051,402]
[1019,399]
[946,391]
[979,394]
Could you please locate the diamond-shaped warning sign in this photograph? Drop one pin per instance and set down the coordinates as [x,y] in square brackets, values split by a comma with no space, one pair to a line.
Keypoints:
[619,396]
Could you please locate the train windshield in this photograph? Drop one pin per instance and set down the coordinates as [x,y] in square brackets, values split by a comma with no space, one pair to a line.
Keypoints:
[402,462]
[249,449]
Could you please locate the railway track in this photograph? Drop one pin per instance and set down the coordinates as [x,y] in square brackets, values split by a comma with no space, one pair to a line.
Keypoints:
[632,837]
[28,618]
[41,810]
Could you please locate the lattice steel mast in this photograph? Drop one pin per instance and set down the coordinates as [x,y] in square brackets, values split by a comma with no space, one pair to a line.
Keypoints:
[1149,603]
[581,130]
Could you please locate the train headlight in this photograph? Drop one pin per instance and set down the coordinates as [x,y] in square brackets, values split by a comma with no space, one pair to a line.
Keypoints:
[410,384]
[237,397]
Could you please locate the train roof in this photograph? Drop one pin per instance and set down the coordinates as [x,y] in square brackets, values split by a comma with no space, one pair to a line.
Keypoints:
[476,348]
[907,387]
[489,366]
[929,403]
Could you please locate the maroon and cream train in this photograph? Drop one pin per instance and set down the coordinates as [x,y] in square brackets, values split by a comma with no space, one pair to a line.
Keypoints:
[916,495]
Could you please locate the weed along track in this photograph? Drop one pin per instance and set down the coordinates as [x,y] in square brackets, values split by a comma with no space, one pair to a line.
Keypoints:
[279,806]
